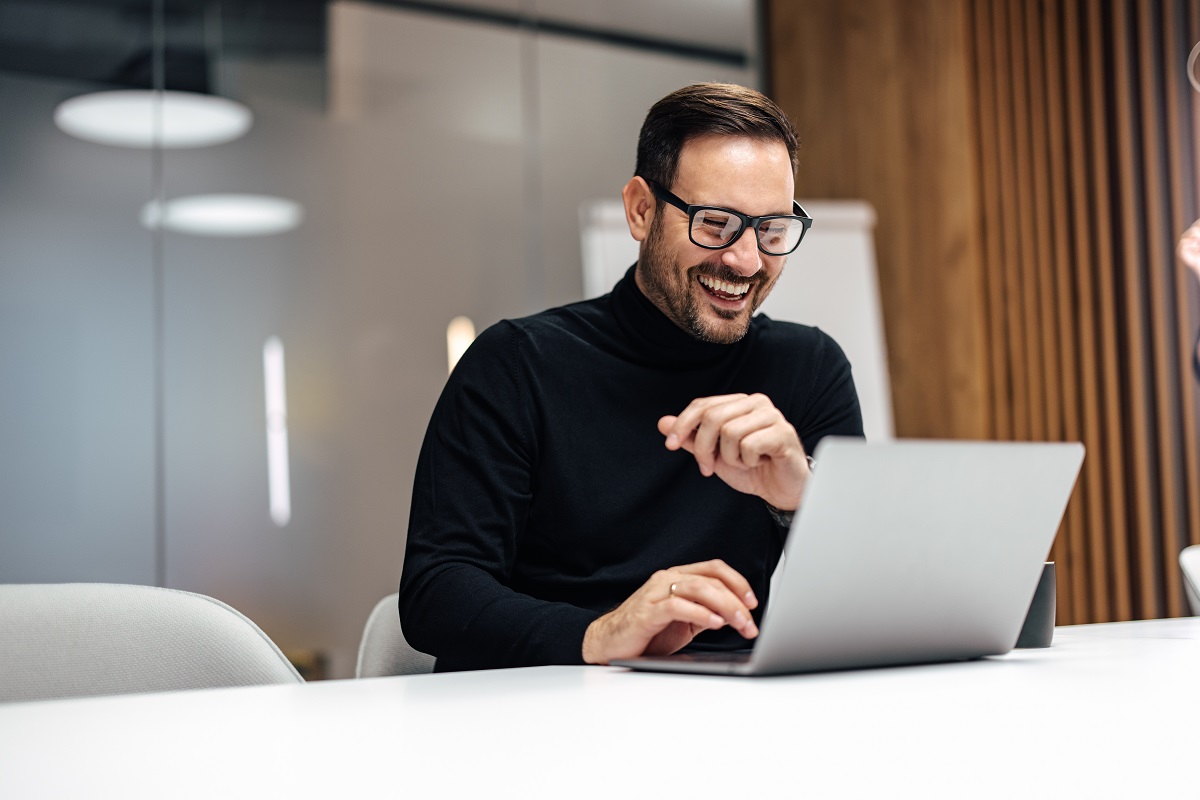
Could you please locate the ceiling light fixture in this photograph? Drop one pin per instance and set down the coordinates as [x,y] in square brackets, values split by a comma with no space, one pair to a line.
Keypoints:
[127,118]
[223,215]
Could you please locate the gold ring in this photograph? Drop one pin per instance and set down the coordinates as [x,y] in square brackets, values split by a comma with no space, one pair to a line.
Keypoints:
[671,591]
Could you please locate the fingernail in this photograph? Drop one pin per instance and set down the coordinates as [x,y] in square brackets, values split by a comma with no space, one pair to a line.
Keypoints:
[672,442]
[750,599]
[739,619]
[751,631]
[714,621]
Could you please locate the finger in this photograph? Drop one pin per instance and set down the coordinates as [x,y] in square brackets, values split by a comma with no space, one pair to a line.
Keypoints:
[766,425]
[665,424]
[768,442]
[685,424]
[705,444]
[716,568]
[681,609]
[717,598]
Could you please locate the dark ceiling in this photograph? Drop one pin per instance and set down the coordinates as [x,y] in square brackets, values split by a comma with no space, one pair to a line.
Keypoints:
[111,43]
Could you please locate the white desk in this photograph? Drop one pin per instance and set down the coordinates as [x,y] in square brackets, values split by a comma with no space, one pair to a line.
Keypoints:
[1108,711]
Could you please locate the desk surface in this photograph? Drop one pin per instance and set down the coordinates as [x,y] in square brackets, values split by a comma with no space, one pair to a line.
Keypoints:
[1108,711]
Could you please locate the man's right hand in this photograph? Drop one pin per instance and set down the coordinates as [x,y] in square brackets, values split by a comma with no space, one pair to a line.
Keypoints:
[670,609]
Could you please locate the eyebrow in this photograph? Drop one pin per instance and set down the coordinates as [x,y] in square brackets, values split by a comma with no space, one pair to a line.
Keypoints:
[793,210]
[790,211]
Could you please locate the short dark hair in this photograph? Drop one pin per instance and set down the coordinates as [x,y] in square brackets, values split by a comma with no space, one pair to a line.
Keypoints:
[706,109]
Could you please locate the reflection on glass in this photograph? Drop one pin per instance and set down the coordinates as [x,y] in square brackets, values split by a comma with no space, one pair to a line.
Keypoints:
[278,478]
[131,118]
[224,215]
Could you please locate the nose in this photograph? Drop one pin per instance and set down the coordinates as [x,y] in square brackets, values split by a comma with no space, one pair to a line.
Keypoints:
[743,256]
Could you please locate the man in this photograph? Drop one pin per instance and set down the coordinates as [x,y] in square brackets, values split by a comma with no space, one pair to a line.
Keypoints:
[1189,253]
[615,477]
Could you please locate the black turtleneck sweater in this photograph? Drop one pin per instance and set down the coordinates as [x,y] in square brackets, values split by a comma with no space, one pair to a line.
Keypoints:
[544,495]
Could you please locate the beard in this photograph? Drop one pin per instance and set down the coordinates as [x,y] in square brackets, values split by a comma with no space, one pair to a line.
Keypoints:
[675,291]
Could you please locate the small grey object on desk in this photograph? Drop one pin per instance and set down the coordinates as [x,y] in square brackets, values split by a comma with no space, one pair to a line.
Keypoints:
[1038,629]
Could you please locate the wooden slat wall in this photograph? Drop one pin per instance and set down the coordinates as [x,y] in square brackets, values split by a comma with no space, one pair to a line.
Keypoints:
[883,107]
[1082,151]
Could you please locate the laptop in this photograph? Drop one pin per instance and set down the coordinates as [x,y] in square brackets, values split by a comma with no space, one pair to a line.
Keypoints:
[905,552]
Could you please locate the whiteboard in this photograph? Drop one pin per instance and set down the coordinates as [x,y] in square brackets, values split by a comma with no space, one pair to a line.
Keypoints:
[829,282]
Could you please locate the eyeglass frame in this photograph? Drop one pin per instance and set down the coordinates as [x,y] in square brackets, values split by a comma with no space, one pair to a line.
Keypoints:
[691,210]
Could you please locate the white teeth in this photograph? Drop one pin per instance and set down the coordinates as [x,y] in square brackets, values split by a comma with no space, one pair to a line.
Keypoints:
[724,286]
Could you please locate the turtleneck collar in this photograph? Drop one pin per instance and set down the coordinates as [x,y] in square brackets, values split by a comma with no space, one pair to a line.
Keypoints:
[652,334]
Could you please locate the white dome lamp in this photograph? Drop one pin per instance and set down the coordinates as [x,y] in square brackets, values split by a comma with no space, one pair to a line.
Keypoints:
[131,118]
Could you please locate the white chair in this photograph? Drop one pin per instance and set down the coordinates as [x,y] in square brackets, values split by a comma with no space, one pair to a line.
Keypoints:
[384,650]
[87,639]
[1189,561]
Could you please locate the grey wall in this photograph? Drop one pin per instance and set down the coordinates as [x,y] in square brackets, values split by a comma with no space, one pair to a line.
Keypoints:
[76,382]
[441,164]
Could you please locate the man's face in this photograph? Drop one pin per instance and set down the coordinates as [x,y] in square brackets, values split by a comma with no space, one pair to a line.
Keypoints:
[712,294]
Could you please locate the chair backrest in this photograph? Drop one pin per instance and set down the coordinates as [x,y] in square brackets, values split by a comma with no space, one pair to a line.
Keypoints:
[86,639]
[1189,561]
[384,650]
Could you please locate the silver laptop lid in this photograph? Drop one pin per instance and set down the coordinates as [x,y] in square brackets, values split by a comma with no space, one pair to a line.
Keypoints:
[914,551]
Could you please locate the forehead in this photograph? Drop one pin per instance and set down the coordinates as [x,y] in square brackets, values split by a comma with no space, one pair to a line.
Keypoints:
[750,175]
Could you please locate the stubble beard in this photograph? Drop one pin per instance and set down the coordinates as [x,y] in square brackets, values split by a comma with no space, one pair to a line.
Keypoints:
[673,291]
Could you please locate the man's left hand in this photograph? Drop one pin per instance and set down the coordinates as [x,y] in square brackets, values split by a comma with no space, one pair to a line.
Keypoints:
[745,441]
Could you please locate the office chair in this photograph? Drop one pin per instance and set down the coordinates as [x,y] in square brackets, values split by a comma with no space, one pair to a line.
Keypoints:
[87,639]
[1189,561]
[384,650]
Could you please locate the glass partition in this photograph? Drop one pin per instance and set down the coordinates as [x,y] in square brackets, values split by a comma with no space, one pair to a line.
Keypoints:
[432,166]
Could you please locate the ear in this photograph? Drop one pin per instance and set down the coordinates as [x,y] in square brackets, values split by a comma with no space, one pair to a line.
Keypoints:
[640,204]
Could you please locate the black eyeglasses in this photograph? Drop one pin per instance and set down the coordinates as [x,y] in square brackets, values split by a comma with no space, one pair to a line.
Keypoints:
[715,228]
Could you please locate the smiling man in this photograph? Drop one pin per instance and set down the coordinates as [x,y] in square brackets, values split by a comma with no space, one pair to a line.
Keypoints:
[615,477]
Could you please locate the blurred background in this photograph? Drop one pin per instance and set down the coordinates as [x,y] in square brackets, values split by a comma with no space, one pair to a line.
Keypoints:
[190,401]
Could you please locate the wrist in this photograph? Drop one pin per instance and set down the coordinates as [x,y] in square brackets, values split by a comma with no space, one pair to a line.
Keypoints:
[788,503]
[591,650]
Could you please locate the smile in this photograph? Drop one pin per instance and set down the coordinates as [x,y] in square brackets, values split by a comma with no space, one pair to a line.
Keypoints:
[724,289]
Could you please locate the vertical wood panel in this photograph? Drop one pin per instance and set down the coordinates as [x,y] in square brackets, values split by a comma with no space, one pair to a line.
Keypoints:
[1071,544]
[1113,536]
[880,93]
[1083,226]
[1026,268]
[1165,385]
[1010,203]
[1131,268]
[992,222]
[1014,127]
[1082,155]
[1042,288]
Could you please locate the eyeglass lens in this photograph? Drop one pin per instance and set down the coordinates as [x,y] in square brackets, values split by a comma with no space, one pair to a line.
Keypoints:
[715,228]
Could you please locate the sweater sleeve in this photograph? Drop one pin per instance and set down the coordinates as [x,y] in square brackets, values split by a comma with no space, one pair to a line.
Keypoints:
[471,499]
[826,400]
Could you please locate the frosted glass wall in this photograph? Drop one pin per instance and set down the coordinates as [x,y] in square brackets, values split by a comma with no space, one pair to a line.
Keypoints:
[440,163]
